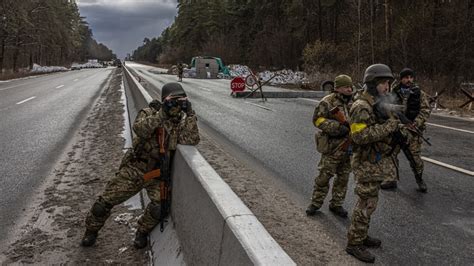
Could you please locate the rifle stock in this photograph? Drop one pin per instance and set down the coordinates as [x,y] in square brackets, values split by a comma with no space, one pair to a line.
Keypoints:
[340,117]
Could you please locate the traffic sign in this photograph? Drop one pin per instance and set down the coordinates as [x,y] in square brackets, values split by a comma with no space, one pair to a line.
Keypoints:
[237,84]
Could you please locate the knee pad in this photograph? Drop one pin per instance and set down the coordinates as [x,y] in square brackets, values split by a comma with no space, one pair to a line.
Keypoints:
[155,211]
[100,209]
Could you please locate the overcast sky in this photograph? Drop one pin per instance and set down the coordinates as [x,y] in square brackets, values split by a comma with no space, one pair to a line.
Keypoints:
[123,24]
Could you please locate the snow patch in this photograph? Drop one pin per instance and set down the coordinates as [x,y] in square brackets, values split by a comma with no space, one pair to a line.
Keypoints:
[46,69]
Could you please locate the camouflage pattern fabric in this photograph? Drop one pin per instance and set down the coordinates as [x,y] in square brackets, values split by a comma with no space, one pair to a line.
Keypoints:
[414,141]
[129,179]
[371,138]
[371,161]
[328,167]
[367,193]
[337,160]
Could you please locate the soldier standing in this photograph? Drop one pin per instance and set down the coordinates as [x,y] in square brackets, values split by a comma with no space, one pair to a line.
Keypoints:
[180,71]
[174,123]
[417,110]
[331,117]
[371,159]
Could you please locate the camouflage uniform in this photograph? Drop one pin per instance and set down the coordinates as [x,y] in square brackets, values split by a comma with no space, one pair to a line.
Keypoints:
[143,158]
[414,140]
[371,161]
[335,158]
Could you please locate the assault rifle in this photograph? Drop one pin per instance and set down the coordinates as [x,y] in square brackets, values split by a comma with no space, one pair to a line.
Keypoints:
[339,115]
[165,180]
[385,110]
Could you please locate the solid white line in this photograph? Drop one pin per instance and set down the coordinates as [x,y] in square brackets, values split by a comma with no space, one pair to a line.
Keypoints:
[11,87]
[31,98]
[452,128]
[60,86]
[310,100]
[452,167]
[263,107]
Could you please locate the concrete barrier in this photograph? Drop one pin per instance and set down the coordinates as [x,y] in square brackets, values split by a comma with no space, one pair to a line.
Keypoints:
[213,225]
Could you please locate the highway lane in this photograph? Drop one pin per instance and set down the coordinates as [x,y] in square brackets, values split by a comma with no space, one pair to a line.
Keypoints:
[38,117]
[433,228]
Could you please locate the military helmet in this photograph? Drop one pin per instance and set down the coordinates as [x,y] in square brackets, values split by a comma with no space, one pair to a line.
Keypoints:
[172,89]
[377,72]
[342,81]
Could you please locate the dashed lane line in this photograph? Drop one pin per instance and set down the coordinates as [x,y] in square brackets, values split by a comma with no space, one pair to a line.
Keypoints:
[452,167]
[76,79]
[452,128]
[24,101]
[60,86]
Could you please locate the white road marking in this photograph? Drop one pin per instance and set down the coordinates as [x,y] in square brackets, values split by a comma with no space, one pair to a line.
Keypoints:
[310,100]
[263,107]
[11,87]
[452,128]
[76,79]
[205,89]
[60,86]
[452,167]
[24,101]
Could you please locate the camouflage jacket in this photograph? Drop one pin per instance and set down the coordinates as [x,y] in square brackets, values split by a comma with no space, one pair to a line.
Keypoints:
[424,111]
[371,138]
[146,146]
[335,132]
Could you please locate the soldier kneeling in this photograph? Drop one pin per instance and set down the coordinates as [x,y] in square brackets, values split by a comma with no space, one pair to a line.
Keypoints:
[158,130]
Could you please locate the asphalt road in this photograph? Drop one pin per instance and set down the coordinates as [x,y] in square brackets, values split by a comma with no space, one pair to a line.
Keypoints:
[38,117]
[434,228]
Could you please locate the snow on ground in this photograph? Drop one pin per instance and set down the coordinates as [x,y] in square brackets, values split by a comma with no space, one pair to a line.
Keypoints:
[285,76]
[46,69]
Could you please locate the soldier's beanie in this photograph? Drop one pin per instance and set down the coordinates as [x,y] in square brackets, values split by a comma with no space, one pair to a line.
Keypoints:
[407,72]
[342,81]
[172,88]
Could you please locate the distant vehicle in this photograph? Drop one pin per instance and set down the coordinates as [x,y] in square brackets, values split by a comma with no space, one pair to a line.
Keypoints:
[118,62]
[76,67]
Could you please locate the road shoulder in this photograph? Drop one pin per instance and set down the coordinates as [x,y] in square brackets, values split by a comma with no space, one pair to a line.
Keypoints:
[51,234]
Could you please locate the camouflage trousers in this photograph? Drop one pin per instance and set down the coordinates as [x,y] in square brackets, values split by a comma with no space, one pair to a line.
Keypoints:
[415,149]
[126,183]
[328,167]
[368,193]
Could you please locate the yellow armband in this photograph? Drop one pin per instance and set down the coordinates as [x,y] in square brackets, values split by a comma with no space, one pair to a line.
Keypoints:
[319,121]
[356,127]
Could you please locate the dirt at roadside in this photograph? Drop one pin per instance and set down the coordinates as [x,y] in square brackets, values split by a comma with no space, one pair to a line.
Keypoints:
[53,232]
[304,239]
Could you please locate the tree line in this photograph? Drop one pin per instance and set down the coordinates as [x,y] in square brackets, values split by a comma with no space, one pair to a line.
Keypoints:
[327,36]
[46,32]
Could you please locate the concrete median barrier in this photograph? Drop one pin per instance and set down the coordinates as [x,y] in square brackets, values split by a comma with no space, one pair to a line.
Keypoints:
[213,225]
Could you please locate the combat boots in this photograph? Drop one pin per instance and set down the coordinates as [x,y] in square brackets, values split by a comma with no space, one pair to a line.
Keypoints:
[311,210]
[361,253]
[89,238]
[141,240]
[421,184]
[389,185]
[372,242]
[339,211]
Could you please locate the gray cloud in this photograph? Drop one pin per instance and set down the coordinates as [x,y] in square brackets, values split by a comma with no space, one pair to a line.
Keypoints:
[123,24]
